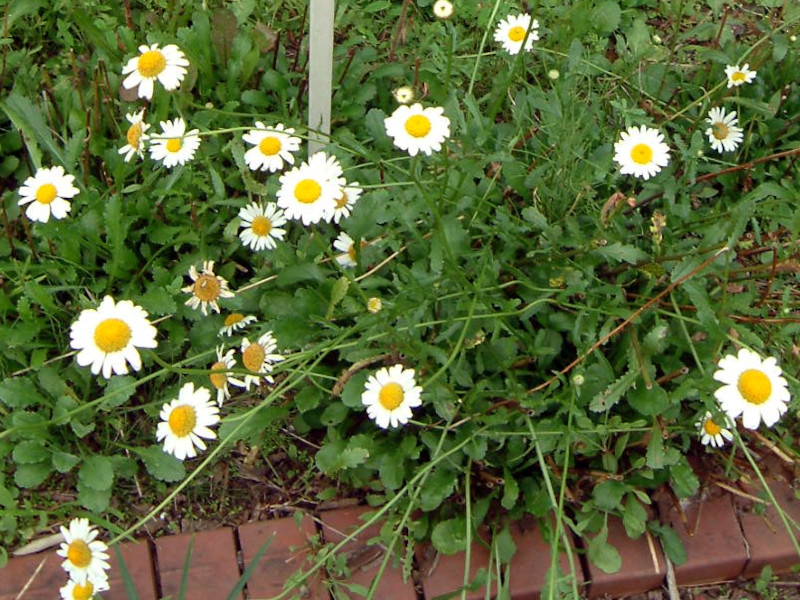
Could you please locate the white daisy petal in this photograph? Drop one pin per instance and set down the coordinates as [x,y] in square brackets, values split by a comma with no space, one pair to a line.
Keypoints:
[174,145]
[167,64]
[416,129]
[85,557]
[206,288]
[510,32]
[272,147]
[389,395]
[737,76]
[181,420]
[641,152]
[47,193]
[261,226]
[259,358]
[309,192]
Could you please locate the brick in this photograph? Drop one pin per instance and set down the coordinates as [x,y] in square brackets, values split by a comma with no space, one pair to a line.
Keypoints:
[139,563]
[288,552]
[643,566]
[444,574]
[44,586]
[363,559]
[713,541]
[213,569]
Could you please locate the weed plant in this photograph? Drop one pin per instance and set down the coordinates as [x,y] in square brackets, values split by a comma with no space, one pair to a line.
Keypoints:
[562,319]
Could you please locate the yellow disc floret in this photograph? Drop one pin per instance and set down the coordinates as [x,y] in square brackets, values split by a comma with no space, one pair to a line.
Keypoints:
[112,335]
[642,154]
[754,386]
[83,592]
[516,34]
[79,554]
[182,420]
[738,76]
[261,226]
[233,318]
[719,130]
[151,63]
[206,288]
[218,380]
[174,144]
[134,135]
[391,395]
[711,428]
[253,357]
[418,126]
[46,193]
[270,146]
[307,191]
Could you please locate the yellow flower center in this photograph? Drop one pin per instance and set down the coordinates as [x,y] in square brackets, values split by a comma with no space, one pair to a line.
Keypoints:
[83,592]
[374,305]
[182,420]
[738,76]
[418,126]
[253,357]
[351,251]
[151,63]
[173,144]
[218,380]
[711,428]
[261,226]
[516,34]
[206,288]
[342,201]
[754,386]
[78,554]
[233,318]
[112,335]
[641,154]
[391,395]
[270,146]
[307,191]
[134,135]
[46,193]
[719,130]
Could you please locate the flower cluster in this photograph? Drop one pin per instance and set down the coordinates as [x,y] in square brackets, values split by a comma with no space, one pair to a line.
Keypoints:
[85,561]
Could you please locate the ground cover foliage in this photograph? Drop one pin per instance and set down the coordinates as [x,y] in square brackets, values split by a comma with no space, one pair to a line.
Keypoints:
[563,320]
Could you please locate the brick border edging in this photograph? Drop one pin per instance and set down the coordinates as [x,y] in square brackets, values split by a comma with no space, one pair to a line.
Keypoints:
[724,537]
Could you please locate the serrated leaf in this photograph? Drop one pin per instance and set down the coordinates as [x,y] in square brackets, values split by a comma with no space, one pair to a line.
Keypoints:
[97,473]
[63,462]
[308,398]
[670,542]
[338,292]
[648,402]
[684,482]
[613,393]
[535,218]
[391,470]
[622,252]
[94,500]
[161,465]
[19,392]
[352,457]
[450,536]
[510,491]
[602,554]
[656,457]
[30,452]
[634,517]
[608,494]
[351,393]
[158,301]
[31,475]
[438,487]
[118,391]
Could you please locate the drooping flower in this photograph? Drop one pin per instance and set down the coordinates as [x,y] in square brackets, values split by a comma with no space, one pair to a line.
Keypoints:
[107,337]
[641,152]
[347,248]
[713,433]
[207,288]
[753,388]
[167,64]
[389,396]
[374,305]
[309,192]
[737,76]
[511,31]
[416,129]
[83,591]
[185,422]
[136,136]
[235,322]
[219,376]
[174,145]
[86,557]
[272,147]
[724,134]
[346,201]
[259,358]
[443,9]
[262,226]
[47,192]
[404,94]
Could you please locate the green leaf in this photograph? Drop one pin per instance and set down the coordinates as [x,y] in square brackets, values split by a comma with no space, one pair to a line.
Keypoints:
[391,470]
[118,391]
[602,554]
[670,542]
[27,118]
[308,398]
[606,16]
[648,402]
[19,392]
[30,452]
[656,457]
[94,500]
[613,393]
[450,536]
[506,548]
[510,491]
[338,292]
[621,252]
[634,517]
[438,487]
[334,413]
[684,482]
[158,301]
[608,494]
[352,457]
[31,475]
[63,462]
[161,465]
[351,394]
[97,473]
[535,218]
[328,458]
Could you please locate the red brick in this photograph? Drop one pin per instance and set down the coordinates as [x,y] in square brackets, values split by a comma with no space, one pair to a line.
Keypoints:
[643,566]
[713,541]
[44,586]
[139,563]
[288,552]
[213,570]
[363,559]
[443,574]
[767,539]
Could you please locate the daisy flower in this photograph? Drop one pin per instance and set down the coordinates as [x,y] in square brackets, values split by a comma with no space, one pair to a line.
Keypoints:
[83,591]
[86,558]
[752,388]
[167,64]
[186,420]
[261,226]
[416,129]
[206,288]
[345,244]
[107,337]
[174,146]
[272,147]
[641,152]
[511,31]
[309,192]
[136,135]
[389,396]
[235,322]
[347,200]
[724,134]
[712,433]
[404,94]
[258,358]
[737,76]
[47,192]
[219,378]
[442,9]
[374,305]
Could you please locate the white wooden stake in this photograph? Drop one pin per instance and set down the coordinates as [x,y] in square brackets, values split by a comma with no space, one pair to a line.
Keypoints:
[320,76]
